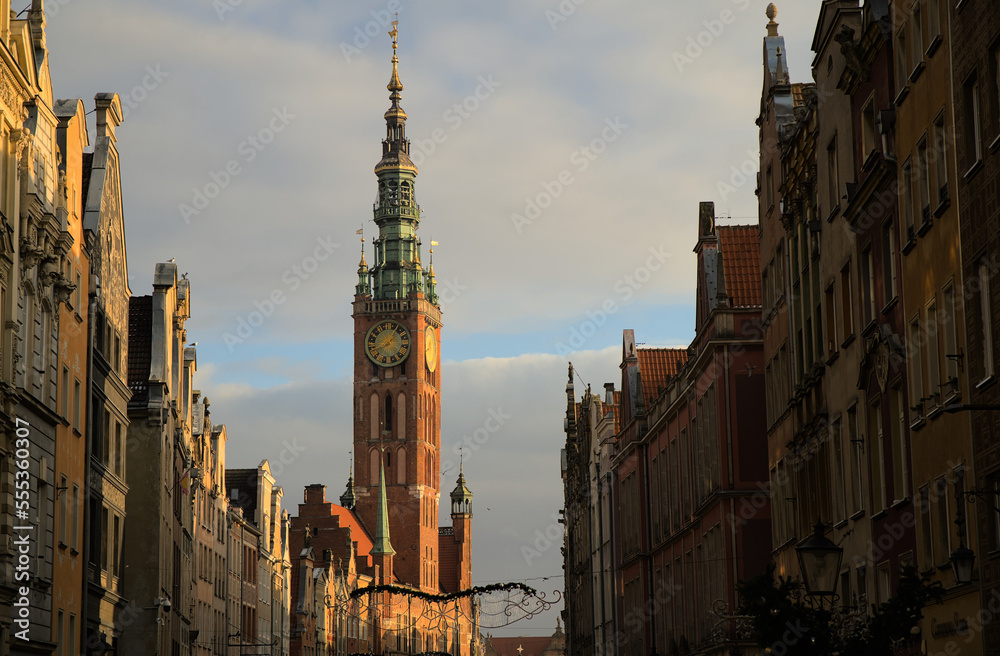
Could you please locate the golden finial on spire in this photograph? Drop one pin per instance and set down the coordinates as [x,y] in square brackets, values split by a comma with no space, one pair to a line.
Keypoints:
[394,84]
[363,264]
[433,244]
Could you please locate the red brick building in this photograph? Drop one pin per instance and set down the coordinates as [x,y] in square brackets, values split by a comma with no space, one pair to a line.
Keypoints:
[691,461]
[385,531]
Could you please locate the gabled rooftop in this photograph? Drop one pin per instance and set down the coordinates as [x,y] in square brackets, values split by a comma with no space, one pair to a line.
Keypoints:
[740,248]
[657,366]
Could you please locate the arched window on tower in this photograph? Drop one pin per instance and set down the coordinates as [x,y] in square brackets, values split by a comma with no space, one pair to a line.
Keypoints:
[401,417]
[373,467]
[373,414]
[387,417]
[401,466]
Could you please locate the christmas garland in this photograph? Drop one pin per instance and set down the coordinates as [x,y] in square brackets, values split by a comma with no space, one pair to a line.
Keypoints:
[470,592]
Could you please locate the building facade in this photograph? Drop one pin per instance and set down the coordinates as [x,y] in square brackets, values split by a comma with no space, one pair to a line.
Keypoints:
[256,493]
[241,591]
[108,393]
[159,540]
[71,447]
[208,495]
[588,483]
[15,90]
[932,282]
[45,333]
[842,458]
[578,546]
[975,29]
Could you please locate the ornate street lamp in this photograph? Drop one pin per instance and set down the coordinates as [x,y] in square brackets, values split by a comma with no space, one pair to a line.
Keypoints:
[963,561]
[819,562]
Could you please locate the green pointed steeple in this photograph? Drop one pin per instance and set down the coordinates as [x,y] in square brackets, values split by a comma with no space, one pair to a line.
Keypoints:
[382,545]
[396,272]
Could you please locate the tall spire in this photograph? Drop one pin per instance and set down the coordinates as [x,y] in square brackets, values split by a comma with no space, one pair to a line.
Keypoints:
[395,86]
[382,545]
[349,499]
[364,287]
[396,272]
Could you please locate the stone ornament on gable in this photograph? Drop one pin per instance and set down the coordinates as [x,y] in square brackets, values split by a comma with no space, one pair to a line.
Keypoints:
[22,139]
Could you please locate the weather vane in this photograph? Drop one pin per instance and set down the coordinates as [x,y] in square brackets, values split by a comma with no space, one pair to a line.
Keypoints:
[394,32]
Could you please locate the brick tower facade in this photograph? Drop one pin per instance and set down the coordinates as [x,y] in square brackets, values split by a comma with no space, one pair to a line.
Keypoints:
[397,377]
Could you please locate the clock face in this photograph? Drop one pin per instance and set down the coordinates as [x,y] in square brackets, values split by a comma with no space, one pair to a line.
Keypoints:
[387,343]
[430,349]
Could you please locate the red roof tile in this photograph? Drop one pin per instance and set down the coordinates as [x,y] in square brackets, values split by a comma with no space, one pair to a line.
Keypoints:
[657,366]
[798,92]
[358,532]
[740,248]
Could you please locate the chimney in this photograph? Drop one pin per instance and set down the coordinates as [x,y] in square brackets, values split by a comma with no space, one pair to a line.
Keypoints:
[109,114]
[315,493]
[609,393]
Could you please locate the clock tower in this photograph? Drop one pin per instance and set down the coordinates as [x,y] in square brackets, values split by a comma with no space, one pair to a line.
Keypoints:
[397,373]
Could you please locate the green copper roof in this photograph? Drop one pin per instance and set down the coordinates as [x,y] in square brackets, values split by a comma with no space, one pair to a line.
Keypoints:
[396,272]
[382,545]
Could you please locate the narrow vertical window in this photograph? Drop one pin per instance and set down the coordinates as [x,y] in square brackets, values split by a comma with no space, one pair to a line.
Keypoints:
[905,197]
[973,126]
[857,460]
[877,436]
[900,468]
[77,407]
[839,480]
[901,55]
[867,286]
[933,354]
[65,392]
[63,493]
[913,348]
[986,319]
[74,524]
[941,161]
[869,134]
[889,261]
[942,527]
[926,541]
[923,184]
[833,174]
[387,416]
[916,38]
[846,301]
[933,23]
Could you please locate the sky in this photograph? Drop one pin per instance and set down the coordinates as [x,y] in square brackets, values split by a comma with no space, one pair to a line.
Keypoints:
[563,149]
